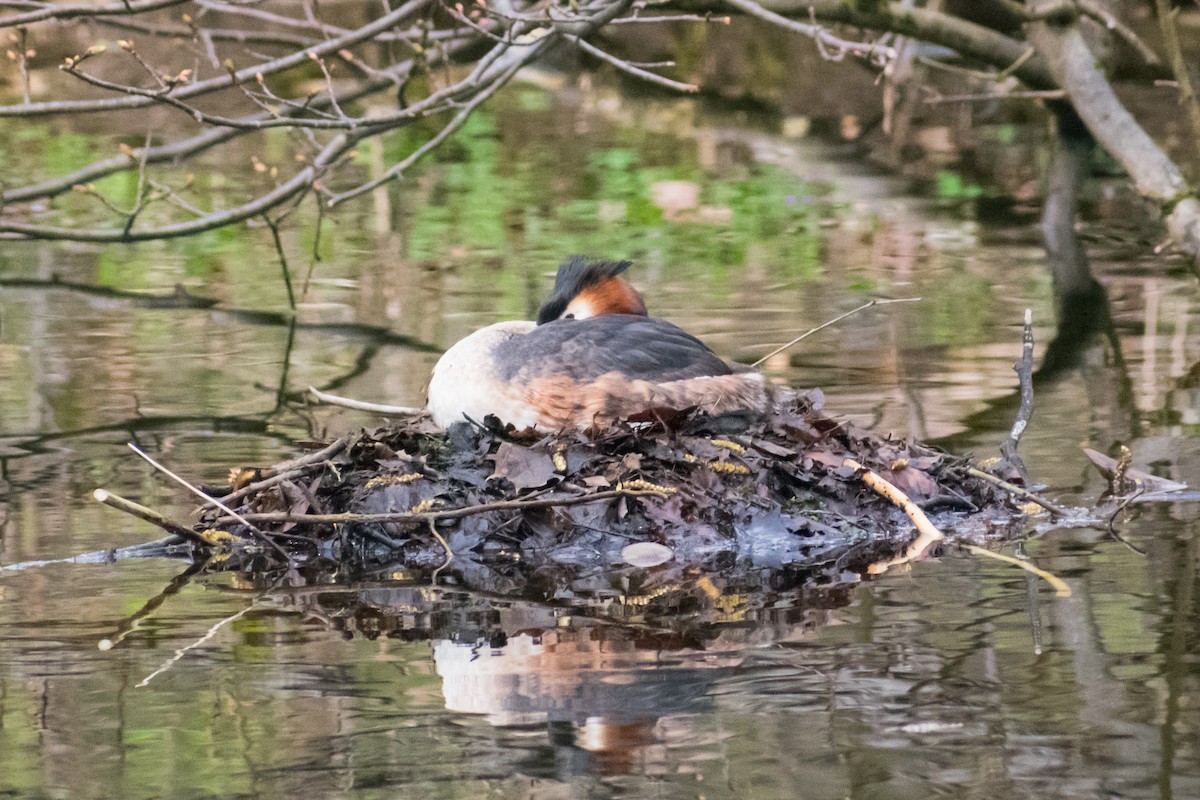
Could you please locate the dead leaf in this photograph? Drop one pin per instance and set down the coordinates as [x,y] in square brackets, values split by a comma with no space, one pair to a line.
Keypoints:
[524,467]
[913,482]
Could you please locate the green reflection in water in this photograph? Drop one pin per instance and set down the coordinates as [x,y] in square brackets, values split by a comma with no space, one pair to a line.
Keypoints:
[277,704]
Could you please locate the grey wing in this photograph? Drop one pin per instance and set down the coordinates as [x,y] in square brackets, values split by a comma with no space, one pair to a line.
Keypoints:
[638,347]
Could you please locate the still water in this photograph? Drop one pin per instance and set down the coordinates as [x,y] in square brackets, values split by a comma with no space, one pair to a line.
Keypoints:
[954,677]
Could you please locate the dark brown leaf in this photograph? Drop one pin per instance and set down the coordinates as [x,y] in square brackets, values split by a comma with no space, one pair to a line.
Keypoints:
[913,482]
[524,467]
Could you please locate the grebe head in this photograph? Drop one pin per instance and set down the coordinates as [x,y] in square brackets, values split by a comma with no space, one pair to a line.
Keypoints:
[588,287]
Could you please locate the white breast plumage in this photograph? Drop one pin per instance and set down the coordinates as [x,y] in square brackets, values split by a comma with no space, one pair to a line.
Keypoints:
[464,383]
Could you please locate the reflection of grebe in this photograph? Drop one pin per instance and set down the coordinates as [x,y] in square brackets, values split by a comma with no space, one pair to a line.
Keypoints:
[592,356]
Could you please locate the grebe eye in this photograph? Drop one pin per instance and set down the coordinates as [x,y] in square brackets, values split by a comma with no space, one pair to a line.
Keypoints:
[568,316]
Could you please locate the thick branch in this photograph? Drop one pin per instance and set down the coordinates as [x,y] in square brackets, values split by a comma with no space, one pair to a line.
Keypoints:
[1153,173]
[968,39]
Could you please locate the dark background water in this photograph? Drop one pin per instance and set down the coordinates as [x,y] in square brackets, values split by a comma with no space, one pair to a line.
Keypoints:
[955,676]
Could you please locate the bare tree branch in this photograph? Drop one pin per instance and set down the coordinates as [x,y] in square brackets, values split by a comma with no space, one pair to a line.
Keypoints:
[75,10]
[335,93]
[1155,176]
[289,61]
[970,40]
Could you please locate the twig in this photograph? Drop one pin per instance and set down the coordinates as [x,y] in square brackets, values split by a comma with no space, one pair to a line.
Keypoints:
[1056,510]
[369,31]
[449,553]
[1043,94]
[833,48]
[196,491]
[928,532]
[708,16]
[632,69]
[451,513]
[258,486]
[23,51]
[893,493]
[70,11]
[1113,519]
[1167,20]
[288,470]
[1110,21]
[1003,74]
[147,514]
[397,170]
[1060,587]
[1024,370]
[360,405]
[833,321]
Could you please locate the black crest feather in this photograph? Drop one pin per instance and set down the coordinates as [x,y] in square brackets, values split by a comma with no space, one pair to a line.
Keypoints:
[574,275]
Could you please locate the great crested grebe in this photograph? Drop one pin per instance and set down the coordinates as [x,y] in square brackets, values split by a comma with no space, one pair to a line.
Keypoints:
[592,356]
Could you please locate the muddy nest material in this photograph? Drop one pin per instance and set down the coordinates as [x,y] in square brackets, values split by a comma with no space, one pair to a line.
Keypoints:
[776,493]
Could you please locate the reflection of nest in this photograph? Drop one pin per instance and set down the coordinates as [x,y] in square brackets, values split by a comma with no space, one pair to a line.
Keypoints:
[784,492]
[624,660]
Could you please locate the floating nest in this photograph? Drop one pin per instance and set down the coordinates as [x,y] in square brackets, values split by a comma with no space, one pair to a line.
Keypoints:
[790,494]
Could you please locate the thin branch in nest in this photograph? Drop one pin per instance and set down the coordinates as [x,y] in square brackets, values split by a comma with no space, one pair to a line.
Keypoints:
[1019,491]
[893,493]
[446,545]
[359,405]
[929,533]
[196,491]
[451,513]
[1113,519]
[289,469]
[1024,370]
[148,514]
[833,321]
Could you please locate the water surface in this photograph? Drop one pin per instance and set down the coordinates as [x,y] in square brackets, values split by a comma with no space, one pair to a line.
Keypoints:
[954,677]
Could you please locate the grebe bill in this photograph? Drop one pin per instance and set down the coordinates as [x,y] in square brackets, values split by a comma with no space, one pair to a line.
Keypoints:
[584,373]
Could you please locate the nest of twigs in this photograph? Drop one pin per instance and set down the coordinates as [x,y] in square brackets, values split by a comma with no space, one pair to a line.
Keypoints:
[791,490]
